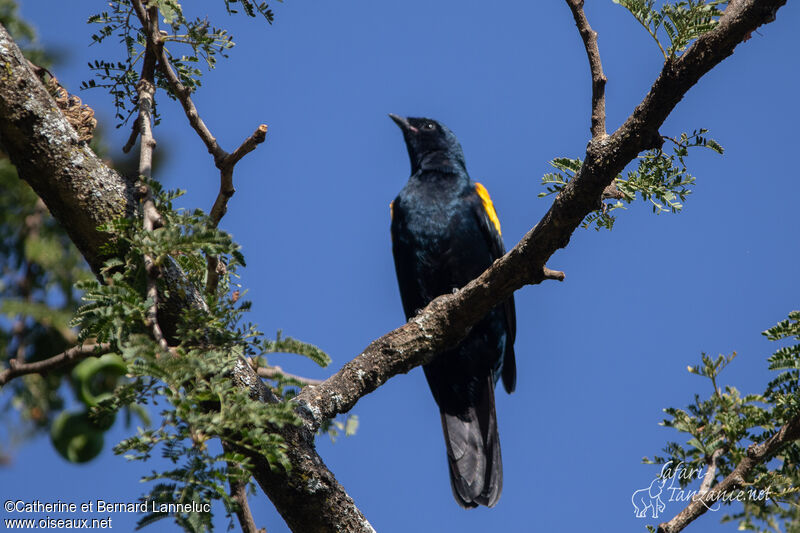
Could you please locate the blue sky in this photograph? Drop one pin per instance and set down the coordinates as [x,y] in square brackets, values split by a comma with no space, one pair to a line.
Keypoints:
[599,356]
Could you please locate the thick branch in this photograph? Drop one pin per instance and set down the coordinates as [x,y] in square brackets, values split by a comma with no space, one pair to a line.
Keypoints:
[756,455]
[447,319]
[308,497]
[599,79]
[51,363]
[74,183]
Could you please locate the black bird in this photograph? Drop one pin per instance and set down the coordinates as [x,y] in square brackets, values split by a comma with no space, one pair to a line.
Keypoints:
[445,232]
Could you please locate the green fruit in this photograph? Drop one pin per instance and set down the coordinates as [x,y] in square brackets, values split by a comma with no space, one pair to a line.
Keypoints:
[96,378]
[75,437]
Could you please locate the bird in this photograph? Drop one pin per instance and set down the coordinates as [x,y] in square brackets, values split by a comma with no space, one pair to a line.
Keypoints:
[445,232]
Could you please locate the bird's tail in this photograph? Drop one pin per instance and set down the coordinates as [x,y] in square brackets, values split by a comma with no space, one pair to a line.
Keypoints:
[473,452]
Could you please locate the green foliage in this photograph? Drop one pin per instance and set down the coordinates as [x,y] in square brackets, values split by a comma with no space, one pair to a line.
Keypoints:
[660,178]
[334,427]
[251,8]
[290,345]
[681,22]
[782,390]
[192,380]
[728,423]
[188,43]
[554,182]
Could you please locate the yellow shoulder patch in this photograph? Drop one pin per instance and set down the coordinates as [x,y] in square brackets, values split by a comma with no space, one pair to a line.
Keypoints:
[391,210]
[488,206]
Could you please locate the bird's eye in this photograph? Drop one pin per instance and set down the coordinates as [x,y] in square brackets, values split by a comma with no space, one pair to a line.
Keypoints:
[429,126]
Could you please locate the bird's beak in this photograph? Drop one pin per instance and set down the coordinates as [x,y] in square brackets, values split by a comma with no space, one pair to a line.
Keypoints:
[403,123]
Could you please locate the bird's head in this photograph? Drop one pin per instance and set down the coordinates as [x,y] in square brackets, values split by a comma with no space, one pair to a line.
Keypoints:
[430,144]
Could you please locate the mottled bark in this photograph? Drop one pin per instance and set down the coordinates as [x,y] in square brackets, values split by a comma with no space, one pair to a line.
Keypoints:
[78,188]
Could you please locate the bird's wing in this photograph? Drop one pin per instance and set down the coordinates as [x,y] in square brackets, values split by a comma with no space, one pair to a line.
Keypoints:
[490,227]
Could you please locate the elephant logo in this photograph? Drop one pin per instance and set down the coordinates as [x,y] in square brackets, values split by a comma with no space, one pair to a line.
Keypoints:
[649,498]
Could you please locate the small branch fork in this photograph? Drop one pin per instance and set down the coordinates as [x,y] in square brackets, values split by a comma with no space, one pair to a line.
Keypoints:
[224,161]
[599,79]
[72,355]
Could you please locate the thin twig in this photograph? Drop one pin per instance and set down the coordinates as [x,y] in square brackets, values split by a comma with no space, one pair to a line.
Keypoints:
[132,139]
[711,472]
[213,267]
[224,161]
[272,372]
[183,94]
[552,274]
[151,219]
[599,79]
[51,363]
[239,495]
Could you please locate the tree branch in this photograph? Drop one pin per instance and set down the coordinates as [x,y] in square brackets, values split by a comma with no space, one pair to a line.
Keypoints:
[272,372]
[150,218]
[239,495]
[756,455]
[132,139]
[226,189]
[65,358]
[599,79]
[447,319]
[711,471]
[224,161]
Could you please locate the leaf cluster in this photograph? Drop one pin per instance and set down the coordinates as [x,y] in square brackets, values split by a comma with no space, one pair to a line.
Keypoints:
[728,423]
[192,381]
[660,178]
[681,22]
[188,43]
